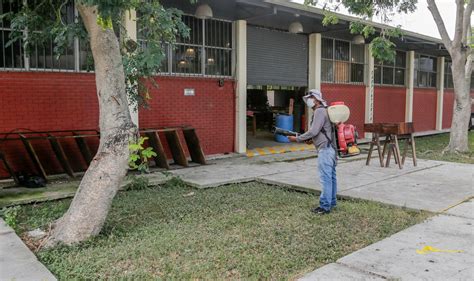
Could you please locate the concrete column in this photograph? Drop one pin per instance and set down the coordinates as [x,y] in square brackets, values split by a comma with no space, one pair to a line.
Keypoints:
[240,28]
[440,94]
[130,23]
[369,88]
[410,85]
[314,69]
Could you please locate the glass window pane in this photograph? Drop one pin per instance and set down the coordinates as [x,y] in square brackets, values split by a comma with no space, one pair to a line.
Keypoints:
[341,49]
[341,72]
[195,31]
[11,56]
[357,53]
[327,71]
[400,59]
[218,62]
[187,59]
[327,48]
[387,75]
[218,33]
[399,76]
[357,72]
[423,79]
[433,79]
[426,64]
[377,74]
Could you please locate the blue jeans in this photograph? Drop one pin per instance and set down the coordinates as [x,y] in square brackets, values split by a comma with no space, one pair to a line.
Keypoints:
[327,175]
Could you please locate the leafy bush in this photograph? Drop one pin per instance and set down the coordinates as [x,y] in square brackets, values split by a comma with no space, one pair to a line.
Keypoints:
[140,155]
[10,216]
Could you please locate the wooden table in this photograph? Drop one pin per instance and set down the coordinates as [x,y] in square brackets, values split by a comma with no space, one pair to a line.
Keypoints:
[393,132]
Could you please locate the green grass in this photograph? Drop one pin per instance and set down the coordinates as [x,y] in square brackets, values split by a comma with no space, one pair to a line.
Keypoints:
[431,147]
[248,231]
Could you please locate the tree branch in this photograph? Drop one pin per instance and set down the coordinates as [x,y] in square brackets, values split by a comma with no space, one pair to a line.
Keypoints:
[466,22]
[458,28]
[440,24]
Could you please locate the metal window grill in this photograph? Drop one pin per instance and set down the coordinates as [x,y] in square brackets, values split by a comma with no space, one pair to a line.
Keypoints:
[206,52]
[342,62]
[42,56]
[391,73]
[426,71]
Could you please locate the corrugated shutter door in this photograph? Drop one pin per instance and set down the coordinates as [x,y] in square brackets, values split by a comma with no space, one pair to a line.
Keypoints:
[276,58]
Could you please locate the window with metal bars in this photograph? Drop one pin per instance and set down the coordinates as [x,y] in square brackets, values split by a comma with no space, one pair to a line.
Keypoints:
[42,56]
[342,62]
[425,71]
[448,75]
[207,50]
[391,73]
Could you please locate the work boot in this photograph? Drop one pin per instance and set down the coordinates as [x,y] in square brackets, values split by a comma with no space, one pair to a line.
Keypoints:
[320,211]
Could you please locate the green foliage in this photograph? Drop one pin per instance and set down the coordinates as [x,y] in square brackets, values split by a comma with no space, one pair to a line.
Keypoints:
[330,18]
[139,155]
[137,183]
[382,47]
[10,215]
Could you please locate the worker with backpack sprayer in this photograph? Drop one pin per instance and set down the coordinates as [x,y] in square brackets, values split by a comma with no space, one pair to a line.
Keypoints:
[321,134]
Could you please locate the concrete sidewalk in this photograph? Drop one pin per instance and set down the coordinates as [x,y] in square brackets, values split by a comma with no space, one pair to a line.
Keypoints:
[449,236]
[17,262]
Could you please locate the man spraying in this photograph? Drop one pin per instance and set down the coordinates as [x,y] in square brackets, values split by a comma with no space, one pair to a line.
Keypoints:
[320,133]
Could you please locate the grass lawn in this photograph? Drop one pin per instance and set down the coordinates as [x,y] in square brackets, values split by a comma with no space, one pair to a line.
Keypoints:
[241,231]
[431,147]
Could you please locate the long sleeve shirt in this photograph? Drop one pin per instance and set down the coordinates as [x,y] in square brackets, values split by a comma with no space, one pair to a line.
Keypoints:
[320,120]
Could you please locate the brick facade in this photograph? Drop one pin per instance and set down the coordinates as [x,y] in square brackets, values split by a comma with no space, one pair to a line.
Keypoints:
[353,96]
[389,104]
[424,109]
[37,101]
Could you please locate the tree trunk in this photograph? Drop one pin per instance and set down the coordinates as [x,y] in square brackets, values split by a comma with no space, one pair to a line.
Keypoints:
[458,140]
[88,211]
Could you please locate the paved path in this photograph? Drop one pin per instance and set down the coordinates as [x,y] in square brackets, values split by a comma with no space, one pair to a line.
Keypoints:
[399,257]
[17,262]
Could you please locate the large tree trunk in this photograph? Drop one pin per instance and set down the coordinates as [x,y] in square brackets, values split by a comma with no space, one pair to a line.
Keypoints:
[93,199]
[458,140]
[461,55]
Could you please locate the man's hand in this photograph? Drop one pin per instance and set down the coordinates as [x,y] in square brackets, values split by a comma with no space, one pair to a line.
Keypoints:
[292,138]
[310,141]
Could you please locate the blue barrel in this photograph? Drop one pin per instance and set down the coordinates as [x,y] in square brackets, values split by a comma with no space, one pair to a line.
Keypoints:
[285,122]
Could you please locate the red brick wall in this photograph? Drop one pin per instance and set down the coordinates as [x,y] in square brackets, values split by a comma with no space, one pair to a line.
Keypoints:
[448,103]
[211,111]
[353,96]
[46,101]
[389,104]
[424,109]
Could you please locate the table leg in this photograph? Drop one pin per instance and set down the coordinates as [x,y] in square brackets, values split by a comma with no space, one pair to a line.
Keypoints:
[405,150]
[378,150]
[397,152]
[387,141]
[413,150]
[371,148]
[389,154]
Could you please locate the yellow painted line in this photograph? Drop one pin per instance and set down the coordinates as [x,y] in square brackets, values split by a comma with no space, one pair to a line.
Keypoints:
[272,151]
[428,249]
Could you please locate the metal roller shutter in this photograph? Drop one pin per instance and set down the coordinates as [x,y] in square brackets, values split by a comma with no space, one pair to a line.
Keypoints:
[276,58]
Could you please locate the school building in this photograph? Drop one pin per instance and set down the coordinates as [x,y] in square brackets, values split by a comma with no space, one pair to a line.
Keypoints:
[241,56]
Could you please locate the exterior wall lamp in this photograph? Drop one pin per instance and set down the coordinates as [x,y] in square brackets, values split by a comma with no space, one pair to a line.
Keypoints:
[203,11]
[295,27]
[358,40]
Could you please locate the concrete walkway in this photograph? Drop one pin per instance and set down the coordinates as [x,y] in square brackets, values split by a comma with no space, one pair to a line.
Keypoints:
[17,262]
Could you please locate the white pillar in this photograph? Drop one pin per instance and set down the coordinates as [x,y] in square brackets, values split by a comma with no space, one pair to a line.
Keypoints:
[440,94]
[369,88]
[410,85]
[314,69]
[130,23]
[241,87]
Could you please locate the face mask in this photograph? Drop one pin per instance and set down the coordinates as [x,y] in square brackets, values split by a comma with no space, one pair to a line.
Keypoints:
[310,103]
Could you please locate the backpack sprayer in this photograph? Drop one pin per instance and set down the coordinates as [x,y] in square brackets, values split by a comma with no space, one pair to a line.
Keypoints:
[346,134]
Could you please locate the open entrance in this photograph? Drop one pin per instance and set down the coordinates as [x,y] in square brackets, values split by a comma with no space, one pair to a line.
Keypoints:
[268,106]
